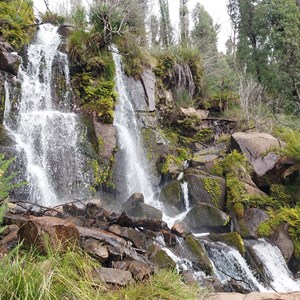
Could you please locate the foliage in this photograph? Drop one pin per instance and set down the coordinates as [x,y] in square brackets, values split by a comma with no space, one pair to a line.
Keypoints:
[212,186]
[16,18]
[166,32]
[204,135]
[53,18]
[29,275]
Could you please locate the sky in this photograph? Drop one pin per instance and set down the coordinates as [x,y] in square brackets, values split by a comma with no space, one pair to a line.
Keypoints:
[216,8]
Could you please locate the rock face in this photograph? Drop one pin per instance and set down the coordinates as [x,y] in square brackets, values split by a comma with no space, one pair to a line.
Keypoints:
[142,91]
[206,189]
[205,216]
[252,218]
[281,238]
[135,207]
[9,62]
[254,145]
[41,231]
[65,30]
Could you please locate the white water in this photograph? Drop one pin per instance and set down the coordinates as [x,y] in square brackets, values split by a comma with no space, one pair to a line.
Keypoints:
[129,142]
[47,137]
[275,267]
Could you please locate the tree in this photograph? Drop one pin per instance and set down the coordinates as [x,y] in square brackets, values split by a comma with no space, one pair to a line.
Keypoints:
[166,32]
[184,22]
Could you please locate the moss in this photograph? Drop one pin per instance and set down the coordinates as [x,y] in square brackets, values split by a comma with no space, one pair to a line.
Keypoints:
[244,232]
[196,248]
[231,238]
[212,186]
[239,210]
[204,135]
[163,260]
[170,161]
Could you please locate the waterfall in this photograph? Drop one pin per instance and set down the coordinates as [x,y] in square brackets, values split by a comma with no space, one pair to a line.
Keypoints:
[47,137]
[275,268]
[129,141]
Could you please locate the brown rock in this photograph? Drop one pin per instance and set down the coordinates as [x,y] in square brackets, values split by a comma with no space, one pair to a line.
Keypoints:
[95,249]
[113,276]
[169,238]
[10,239]
[281,238]
[9,63]
[180,229]
[139,270]
[49,231]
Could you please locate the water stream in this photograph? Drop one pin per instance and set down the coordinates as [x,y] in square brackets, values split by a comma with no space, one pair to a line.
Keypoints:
[46,132]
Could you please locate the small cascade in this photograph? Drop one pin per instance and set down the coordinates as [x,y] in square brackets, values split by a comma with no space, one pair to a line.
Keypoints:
[185,191]
[275,268]
[46,137]
[229,264]
[129,141]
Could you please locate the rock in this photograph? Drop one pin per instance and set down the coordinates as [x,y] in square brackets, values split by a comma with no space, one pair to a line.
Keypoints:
[196,248]
[94,209]
[205,216]
[189,112]
[253,190]
[10,239]
[142,91]
[95,249]
[169,238]
[212,283]
[180,228]
[136,207]
[252,218]
[160,258]
[200,160]
[65,30]
[106,135]
[73,210]
[139,270]
[255,296]
[113,276]
[9,62]
[171,196]
[135,236]
[49,231]
[206,189]
[255,145]
[231,238]
[281,238]
[6,47]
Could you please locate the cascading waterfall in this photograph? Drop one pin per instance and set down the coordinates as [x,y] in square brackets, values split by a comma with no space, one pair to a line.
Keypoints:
[47,137]
[129,141]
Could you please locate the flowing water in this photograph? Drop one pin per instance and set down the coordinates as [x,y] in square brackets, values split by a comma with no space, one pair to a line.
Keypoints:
[46,133]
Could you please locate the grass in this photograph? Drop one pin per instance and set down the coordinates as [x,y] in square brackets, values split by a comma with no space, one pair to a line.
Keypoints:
[28,275]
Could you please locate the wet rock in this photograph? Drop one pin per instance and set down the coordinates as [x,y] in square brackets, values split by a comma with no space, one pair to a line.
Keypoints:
[139,270]
[65,30]
[136,207]
[142,91]
[180,228]
[282,239]
[6,47]
[252,218]
[200,160]
[9,240]
[212,283]
[9,62]
[133,235]
[189,277]
[96,249]
[172,196]
[232,239]
[45,231]
[206,189]
[113,276]
[169,238]
[205,216]
[94,209]
[160,258]
[73,210]
[196,248]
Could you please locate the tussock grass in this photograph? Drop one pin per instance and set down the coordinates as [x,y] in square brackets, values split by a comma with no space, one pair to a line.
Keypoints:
[28,275]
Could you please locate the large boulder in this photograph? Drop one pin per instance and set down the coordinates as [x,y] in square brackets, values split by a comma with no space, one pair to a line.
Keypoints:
[256,146]
[142,91]
[282,239]
[206,189]
[135,207]
[251,220]
[189,112]
[9,62]
[49,231]
[171,196]
[205,216]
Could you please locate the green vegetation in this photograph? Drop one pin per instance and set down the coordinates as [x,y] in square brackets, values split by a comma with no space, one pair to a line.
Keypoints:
[16,18]
[212,186]
[231,238]
[29,275]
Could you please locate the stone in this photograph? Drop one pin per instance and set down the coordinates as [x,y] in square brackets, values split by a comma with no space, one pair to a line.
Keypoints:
[263,165]
[9,62]
[73,210]
[169,238]
[189,112]
[205,216]
[142,91]
[10,240]
[180,228]
[65,30]
[113,276]
[171,195]
[94,209]
[196,248]
[252,218]
[160,258]
[206,189]
[282,239]
[199,160]
[6,47]
[255,296]
[139,270]
[49,231]
[232,239]
[96,249]
[252,189]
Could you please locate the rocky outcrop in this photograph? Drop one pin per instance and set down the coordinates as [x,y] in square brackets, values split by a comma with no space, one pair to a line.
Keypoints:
[9,62]
[204,217]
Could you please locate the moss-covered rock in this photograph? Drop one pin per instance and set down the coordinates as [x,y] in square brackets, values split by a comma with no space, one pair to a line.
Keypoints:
[160,258]
[232,239]
[196,248]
